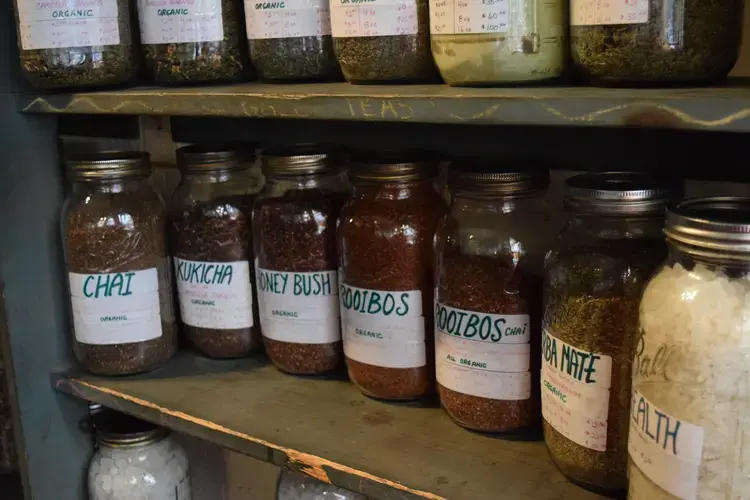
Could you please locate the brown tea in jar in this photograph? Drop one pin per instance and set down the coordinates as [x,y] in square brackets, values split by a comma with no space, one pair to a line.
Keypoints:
[386,284]
[114,227]
[212,247]
[294,224]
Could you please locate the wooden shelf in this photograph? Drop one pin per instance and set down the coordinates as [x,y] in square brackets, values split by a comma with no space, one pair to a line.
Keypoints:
[328,430]
[724,108]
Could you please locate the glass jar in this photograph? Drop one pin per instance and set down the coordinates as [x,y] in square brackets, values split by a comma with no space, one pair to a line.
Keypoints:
[594,277]
[136,460]
[492,43]
[383,42]
[211,214]
[646,42]
[295,486]
[200,42]
[691,405]
[294,225]
[386,230]
[490,251]
[292,44]
[114,227]
[90,45]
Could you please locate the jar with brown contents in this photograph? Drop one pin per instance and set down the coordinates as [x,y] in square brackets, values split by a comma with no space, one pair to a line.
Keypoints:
[211,243]
[294,224]
[114,227]
[490,250]
[386,276]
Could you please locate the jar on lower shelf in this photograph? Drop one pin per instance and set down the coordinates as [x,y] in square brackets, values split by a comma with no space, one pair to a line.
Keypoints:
[295,486]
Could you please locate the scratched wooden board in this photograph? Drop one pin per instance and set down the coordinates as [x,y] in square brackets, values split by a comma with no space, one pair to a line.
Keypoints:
[330,431]
[714,108]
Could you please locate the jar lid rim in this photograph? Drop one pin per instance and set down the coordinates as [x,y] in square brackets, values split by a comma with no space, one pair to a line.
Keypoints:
[620,193]
[711,224]
[300,159]
[391,167]
[108,165]
[116,429]
[493,178]
[202,157]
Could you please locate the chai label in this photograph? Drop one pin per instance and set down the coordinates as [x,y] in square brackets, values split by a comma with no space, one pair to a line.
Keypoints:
[602,12]
[180,21]
[287,18]
[575,391]
[364,18]
[297,307]
[216,295]
[116,308]
[59,24]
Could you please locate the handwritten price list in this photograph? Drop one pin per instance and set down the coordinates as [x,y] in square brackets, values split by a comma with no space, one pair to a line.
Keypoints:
[373,18]
[448,17]
[45,27]
[597,12]
[188,22]
[287,19]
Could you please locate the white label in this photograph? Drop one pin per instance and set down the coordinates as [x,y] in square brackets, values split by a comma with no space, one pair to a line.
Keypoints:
[664,448]
[116,308]
[383,328]
[357,18]
[575,392]
[180,21]
[484,355]
[448,17]
[299,307]
[287,18]
[57,24]
[215,295]
[597,12]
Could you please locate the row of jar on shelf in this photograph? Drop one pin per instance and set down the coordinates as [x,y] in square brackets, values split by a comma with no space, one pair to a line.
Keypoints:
[384,266]
[472,43]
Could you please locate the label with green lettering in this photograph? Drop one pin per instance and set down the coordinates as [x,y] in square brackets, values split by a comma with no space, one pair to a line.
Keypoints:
[116,308]
[383,327]
[482,354]
[301,308]
[180,21]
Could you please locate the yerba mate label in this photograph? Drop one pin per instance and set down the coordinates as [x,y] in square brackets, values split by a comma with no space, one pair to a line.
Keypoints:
[448,17]
[383,328]
[116,308]
[216,295]
[58,24]
[666,449]
[575,392]
[360,18]
[180,21]
[600,12]
[287,18]
[484,355]
[302,308]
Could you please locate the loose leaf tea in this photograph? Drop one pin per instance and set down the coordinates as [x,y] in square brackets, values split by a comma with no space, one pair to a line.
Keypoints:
[299,58]
[696,42]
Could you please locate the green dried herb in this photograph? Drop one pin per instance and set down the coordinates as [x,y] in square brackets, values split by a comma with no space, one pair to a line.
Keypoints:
[299,58]
[700,47]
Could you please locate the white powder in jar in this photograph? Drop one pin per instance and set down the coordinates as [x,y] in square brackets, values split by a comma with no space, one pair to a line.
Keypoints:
[693,365]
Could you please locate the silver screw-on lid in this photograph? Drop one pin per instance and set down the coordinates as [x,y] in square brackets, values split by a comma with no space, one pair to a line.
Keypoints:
[497,179]
[620,193]
[108,165]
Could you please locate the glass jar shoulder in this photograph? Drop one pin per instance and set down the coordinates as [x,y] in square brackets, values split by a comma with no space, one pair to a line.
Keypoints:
[394,215]
[126,210]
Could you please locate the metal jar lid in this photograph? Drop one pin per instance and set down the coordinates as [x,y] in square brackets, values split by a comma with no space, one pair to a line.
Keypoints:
[711,227]
[117,430]
[108,165]
[490,178]
[619,193]
[296,160]
[207,157]
[375,167]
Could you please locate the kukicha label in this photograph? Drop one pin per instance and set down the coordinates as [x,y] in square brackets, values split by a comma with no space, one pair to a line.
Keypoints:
[362,18]
[575,392]
[481,354]
[448,17]
[666,449]
[216,295]
[287,18]
[301,308]
[602,12]
[383,328]
[180,21]
[116,308]
[59,24]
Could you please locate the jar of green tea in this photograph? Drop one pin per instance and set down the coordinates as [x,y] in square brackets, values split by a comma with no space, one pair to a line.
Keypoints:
[594,276]
[649,42]
[193,42]
[90,45]
[382,40]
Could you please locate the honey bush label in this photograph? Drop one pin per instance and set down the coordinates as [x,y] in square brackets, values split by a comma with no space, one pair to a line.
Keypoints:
[666,449]
[575,392]
[116,308]
[383,328]
[186,21]
[302,308]
[216,295]
[484,355]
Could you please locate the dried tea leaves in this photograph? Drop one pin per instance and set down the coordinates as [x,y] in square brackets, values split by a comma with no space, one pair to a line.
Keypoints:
[299,58]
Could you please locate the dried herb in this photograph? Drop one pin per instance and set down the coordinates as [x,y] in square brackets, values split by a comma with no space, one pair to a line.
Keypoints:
[699,45]
[300,58]
[84,66]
